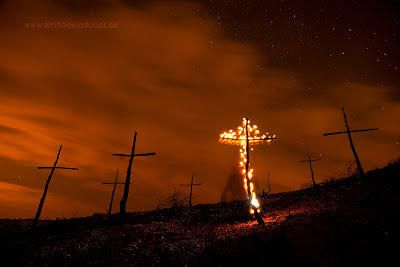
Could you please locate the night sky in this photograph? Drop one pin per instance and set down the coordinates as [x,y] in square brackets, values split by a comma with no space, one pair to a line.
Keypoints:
[180,73]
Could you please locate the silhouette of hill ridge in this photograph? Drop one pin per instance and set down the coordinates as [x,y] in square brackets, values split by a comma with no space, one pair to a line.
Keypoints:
[345,222]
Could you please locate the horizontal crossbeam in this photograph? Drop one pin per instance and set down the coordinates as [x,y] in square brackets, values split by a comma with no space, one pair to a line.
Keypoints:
[250,139]
[190,184]
[312,160]
[135,155]
[113,183]
[352,131]
[62,168]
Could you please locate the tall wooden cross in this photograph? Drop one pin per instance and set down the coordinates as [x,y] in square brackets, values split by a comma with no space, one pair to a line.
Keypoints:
[131,156]
[246,136]
[191,189]
[310,161]
[115,183]
[348,132]
[46,187]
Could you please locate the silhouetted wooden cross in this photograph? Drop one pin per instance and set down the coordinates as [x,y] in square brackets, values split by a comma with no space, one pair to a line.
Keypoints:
[348,132]
[115,183]
[310,161]
[46,187]
[191,189]
[131,156]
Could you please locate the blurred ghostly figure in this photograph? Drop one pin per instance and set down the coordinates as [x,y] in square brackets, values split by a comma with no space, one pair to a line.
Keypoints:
[234,188]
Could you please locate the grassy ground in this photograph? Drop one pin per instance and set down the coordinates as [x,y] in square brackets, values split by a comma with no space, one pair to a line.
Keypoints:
[347,222]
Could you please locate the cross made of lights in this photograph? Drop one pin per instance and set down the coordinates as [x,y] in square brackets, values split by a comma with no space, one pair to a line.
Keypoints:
[246,136]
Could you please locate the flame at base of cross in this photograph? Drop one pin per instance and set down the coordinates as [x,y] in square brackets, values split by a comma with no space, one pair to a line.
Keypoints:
[245,136]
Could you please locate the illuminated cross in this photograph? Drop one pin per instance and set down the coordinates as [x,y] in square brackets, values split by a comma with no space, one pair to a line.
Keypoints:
[247,136]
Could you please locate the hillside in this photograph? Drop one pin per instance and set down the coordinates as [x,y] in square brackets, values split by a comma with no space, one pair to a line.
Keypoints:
[346,222]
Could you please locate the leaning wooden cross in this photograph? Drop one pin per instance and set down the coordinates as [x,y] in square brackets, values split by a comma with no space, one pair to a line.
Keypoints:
[348,132]
[247,136]
[131,156]
[191,189]
[310,161]
[46,187]
[115,183]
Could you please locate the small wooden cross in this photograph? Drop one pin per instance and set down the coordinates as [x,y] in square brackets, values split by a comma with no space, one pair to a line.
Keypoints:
[310,161]
[191,189]
[115,183]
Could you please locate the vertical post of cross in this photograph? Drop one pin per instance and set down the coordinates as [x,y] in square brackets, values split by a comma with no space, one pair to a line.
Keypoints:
[311,168]
[112,194]
[191,191]
[124,200]
[247,159]
[249,193]
[353,149]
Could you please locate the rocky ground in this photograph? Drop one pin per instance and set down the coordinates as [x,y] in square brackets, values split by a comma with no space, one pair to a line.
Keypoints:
[346,222]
